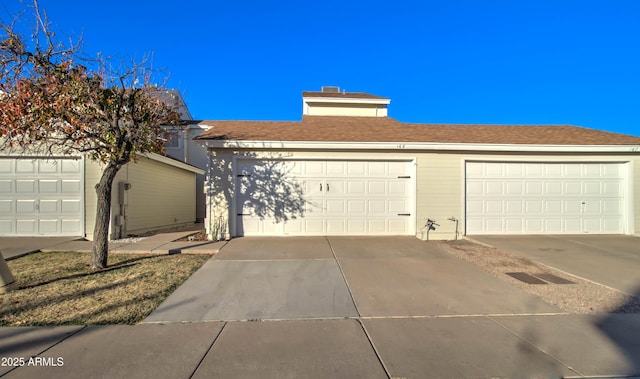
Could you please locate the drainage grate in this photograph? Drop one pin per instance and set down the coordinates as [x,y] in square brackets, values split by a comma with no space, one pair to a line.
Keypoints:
[553,279]
[524,277]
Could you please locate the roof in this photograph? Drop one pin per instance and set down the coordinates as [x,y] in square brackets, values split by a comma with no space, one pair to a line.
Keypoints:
[343,95]
[385,129]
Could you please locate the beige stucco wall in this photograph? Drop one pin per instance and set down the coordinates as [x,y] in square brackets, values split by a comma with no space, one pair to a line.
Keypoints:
[160,196]
[440,181]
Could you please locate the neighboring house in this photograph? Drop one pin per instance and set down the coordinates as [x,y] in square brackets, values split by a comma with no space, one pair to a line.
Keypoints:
[55,196]
[349,169]
[181,146]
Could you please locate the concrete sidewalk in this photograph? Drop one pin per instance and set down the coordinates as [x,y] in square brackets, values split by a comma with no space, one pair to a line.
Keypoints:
[161,243]
[428,347]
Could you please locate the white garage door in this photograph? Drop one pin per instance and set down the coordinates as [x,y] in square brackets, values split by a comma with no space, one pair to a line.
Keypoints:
[313,197]
[41,197]
[545,198]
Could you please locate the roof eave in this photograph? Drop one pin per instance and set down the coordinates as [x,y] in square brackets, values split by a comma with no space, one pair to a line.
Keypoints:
[346,100]
[438,146]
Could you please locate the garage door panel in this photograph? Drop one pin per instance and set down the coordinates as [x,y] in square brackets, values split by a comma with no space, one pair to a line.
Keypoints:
[552,226]
[398,225]
[336,168]
[612,207]
[71,166]
[533,206]
[336,206]
[6,227]
[47,166]
[71,226]
[514,188]
[493,188]
[25,206]
[48,186]
[357,226]
[533,226]
[71,186]
[398,188]
[356,187]
[533,188]
[377,207]
[25,186]
[49,206]
[611,225]
[493,206]
[71,206]
[572,187]
[26,226]
[336,226]
[513,225]
[544,197]
[357,207]
[357,168]
[6,207]
[378,226]
[48,226]
[377,188]
[474,187]
[514,206]
[26,166]
[376,168]
[5,187]
[6,166]
[398,206]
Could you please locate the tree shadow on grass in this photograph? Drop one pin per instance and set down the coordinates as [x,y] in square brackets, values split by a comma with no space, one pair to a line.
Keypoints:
[114,267]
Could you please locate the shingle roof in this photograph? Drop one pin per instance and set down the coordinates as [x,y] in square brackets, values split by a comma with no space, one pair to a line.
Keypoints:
[385,129]
[344,95]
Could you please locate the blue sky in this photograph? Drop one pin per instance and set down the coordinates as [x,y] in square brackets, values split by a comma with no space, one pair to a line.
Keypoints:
[448,61]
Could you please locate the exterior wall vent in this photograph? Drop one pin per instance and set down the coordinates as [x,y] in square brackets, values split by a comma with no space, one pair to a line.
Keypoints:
[330,89]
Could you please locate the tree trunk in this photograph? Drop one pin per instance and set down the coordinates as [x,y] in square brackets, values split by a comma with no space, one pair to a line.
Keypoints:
[100,248]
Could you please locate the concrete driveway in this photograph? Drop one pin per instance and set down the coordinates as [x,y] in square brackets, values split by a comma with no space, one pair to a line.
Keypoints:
[338,277]
[613,261]
[383,307]
[343,307]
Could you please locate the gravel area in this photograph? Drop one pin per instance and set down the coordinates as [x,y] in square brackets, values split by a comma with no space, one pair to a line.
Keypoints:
[583,297]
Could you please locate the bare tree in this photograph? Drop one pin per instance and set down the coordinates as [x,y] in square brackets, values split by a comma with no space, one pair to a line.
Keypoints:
[52,102]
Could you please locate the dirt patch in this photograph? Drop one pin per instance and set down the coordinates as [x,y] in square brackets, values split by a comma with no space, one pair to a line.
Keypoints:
[60,288]
[199,236]
[582,297]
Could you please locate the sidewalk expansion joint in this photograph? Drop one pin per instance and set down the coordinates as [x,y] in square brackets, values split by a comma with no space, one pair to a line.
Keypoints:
[208,350]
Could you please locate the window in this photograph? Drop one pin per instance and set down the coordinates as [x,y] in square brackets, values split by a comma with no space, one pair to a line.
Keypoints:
[173,141]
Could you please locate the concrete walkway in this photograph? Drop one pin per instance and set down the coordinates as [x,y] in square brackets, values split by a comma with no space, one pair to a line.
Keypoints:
[342,308]
[161,243]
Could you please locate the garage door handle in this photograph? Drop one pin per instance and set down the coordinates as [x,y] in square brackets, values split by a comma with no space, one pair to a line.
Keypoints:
[320,187]
[244,214]
[404,214]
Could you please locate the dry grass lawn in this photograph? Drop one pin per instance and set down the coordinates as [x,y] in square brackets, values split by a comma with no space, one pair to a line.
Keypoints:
[60,288]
